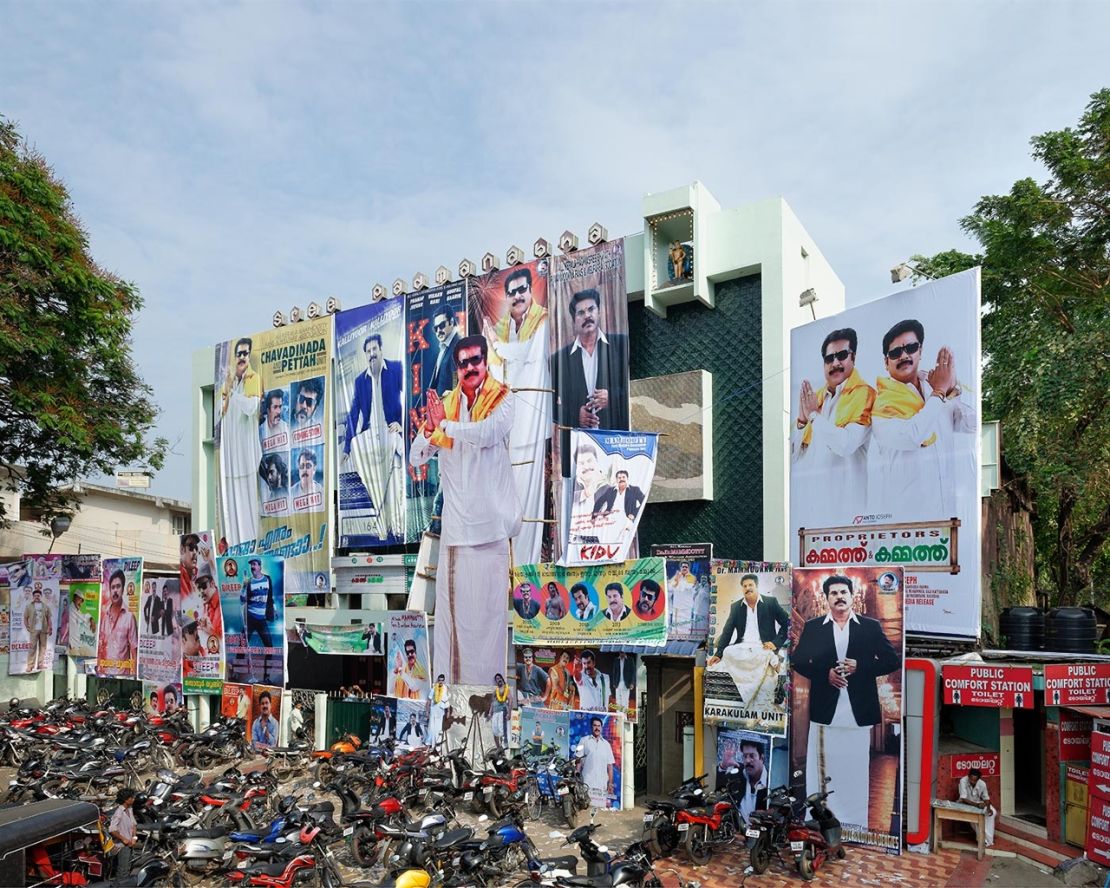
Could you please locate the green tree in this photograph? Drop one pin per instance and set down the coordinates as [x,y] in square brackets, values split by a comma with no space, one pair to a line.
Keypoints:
[1046,343]
[71,401]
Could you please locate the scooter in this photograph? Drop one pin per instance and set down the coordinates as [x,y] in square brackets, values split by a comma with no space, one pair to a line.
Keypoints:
[816,840]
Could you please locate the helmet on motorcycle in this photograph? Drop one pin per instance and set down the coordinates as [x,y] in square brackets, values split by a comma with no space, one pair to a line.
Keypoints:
[414,879]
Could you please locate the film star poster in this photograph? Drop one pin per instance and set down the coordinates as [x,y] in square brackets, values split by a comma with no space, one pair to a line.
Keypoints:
[408,669]
[5,609]
[510,308]
[365,639]
[34,621]
[587,606]
[744,763]
[576,678]
[235,700]
[265,717]
[435,320]
[370,423]
[612,480]
[81,585]
[689,582]
[411,725]
[48,568]
[589,347]
[383,716]
[846,672]
[885,452]
[117,645]
[162,699]
[160,631]
[272,437]
[251,593]
[545,732]
[745,680]
[201,618]
[595,742]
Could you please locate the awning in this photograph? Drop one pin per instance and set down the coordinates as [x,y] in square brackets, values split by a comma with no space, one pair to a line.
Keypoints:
[670,649]
[1093,711]
[25,825]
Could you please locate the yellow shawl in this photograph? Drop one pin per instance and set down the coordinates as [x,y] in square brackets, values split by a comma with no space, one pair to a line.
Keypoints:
[438,692]
[535,316]
[896,400]
[252,387]
[490,395]
[856,400]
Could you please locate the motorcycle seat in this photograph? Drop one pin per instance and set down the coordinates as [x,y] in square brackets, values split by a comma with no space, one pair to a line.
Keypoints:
[567,862]
[453,837]
[494,841]
[605,880]
[216,833]
[267,869]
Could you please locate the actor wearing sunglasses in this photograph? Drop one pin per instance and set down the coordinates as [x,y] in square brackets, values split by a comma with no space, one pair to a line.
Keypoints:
[446,328]
[240,448]
[915,415]
[469,429]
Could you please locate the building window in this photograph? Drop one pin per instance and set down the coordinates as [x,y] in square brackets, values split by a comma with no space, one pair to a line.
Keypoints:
[182,523]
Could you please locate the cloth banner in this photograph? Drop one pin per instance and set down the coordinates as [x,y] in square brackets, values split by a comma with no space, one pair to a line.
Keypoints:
[885,468]
[34,620]
[745,680]
[846,703]
[370,424]
[251,593]
[364,639]
[612,479]
[689,582]
[577,679]
[600,604]
[201,619]
[271,438]
[409,659]
[117,645]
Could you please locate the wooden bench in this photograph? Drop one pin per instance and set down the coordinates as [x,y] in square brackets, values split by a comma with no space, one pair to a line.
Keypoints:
[960,813]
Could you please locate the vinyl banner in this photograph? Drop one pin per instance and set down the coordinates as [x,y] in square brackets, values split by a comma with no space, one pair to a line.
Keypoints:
[601,604]
[510,308]
[573,678]
[545,732]
[688,587]
[411,724]
[251,593]
[409,657]
[201,618]
[365,639]
[117,646]
[750,755]
[885,451]
[271,436]
[235,701]
[265,717]
[160,631]
[846,662]
[47,568]
[470,718]
[434,321]
[5,609]
[612,480]
[370,423]
[81,581]
[159,699]
[595,741]
[745,680]
[34,620]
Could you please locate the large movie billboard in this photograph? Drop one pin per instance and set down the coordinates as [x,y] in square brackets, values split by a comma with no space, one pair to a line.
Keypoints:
[272,437]
[885,452]
[254,619]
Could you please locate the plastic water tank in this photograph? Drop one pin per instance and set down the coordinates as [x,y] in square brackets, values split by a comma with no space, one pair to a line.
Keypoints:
[1071,630]
[1022,628]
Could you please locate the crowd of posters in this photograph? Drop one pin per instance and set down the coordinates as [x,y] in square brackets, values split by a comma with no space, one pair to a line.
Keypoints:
[746,673]
[689,582]
[33,626]
[847,666]
[408,673]
[361,640]
[160,631]
[510,308]
[162,699]
[271,437]
[253,601]
[434,321]
[202,622]
[885,450]
[593,739]
[117,646]
[370,423]
[612,479]
[576,678]
[600,604]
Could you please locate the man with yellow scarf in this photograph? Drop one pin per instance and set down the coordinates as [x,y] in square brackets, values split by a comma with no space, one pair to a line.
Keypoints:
[915,417]
[469,429]
[829,444]
[440,705]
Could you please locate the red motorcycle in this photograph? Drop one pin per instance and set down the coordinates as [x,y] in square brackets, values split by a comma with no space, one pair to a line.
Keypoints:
[704,827]
[284,873]
[814,841]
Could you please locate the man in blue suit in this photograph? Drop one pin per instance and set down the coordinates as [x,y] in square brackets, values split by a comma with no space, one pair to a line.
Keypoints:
[381,379]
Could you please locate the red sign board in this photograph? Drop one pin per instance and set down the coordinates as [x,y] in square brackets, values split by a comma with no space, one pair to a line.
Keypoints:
[1098,780]
[989,763]
[1075,737]
[1077,684]
[995,686]
[1076,774]
[1098,831]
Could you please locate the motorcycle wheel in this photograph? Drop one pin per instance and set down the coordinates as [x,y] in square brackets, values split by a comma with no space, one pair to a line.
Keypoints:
[696,848]
[759,858]
[204,758]
[840,852]
[493,806]
[806,863]
[657,840]
[364,846]
[534,808]
[570,812]
[323,772]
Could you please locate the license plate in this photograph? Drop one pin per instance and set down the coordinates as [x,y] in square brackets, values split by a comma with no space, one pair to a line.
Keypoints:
[797,846]
[648,818]
[349,831]
[682,827]
[456,861]
[468,796]
[753,833]
[562,790]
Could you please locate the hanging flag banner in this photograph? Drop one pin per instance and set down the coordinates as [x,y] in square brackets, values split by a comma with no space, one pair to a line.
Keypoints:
[689,582]
[251,593]
[612,480]
[370,423]
[847,665]
[409,658]
[160,631]
[81,585]
[34,620]
[745,679]
[365,639]
[510,308]
[434,321]
[271,438]
[117,647]
[601,604]
[885,449]
[162,699]
[577,678]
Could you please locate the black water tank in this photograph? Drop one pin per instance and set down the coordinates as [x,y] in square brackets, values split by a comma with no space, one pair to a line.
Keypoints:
[1022,628]
[1071,630]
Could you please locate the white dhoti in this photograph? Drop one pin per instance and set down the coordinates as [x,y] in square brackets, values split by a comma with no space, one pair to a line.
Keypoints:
[435,722]
[472,624]
[844,755]
[621,694]
[379,461]
[240,454]
[754,671]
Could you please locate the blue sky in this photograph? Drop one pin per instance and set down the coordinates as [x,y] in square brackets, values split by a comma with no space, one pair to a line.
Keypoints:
[231,159]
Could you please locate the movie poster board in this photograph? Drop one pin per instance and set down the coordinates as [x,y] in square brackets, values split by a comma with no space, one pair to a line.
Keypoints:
[117,645]
[750,754]
[364,639]
[747,672]
[885,471]
[689,586]
[846,710]
[160,631]
[577,679]
[253,602]
[272,445]
[235,700]
[409,660]
[370,424]
[81,585]
[201,618]
[264,721]
[5,609]
[162,699]
[34,620]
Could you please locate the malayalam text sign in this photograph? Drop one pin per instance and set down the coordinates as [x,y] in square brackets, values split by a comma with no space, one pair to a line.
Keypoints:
[995,686]
[1098,778]
[1077,684]
[1075,737]
[989,763]
[1098,831]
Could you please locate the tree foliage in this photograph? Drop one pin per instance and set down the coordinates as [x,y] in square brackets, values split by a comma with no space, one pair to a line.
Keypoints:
[1046,342]
[71,401]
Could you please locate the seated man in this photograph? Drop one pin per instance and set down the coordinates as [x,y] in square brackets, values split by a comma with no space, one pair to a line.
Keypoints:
[973,791]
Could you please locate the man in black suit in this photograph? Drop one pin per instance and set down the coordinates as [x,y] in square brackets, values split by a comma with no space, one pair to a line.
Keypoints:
[772,622]
[842,654]
[590,376]
[446,327]
[621,497]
